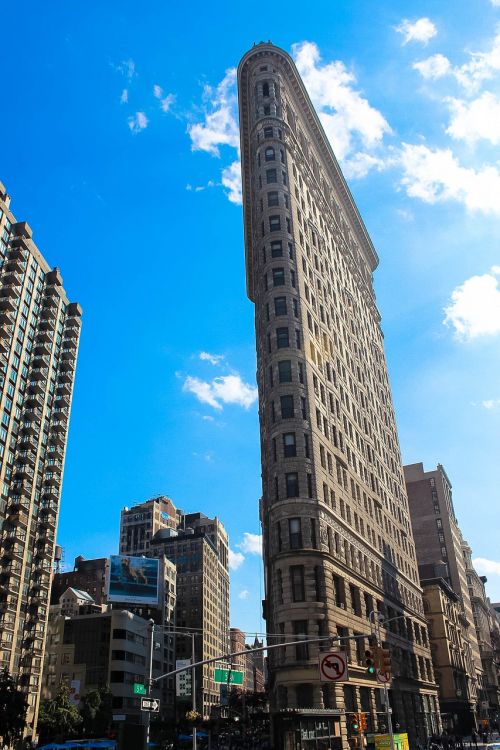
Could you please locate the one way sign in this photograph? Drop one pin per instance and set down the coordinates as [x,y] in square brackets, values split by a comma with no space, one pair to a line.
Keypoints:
[150,704]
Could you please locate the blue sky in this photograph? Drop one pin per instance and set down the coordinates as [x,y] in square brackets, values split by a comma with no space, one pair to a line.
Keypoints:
[121,131]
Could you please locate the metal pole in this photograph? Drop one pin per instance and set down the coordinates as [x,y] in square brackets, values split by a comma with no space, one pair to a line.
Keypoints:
[374,618]
[150,681]
[193,688]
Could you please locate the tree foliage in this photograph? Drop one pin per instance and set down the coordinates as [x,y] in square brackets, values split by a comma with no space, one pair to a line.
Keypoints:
[96,712]
[13,707]
[59,718]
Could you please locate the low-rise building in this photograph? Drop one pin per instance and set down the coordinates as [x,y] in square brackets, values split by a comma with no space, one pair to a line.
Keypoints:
[105,648]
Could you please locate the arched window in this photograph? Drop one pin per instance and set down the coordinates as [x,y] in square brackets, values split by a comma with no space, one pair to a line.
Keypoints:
[269,154]
[265,89]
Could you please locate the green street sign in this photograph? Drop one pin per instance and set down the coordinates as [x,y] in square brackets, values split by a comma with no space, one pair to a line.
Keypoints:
[222,675]
[139,688]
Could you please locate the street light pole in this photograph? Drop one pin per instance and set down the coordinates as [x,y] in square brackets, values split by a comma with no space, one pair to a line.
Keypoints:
[375,619]
[150,680]
[193,688]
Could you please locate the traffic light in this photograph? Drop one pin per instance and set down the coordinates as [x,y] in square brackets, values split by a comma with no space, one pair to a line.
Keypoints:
[385,661]
[371,658]
[362,721]
[355,723]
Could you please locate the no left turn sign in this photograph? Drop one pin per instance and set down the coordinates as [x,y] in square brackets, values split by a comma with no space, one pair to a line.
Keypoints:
[383,677]
[333,667]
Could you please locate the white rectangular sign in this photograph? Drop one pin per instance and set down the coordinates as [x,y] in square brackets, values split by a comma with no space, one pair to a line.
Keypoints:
[183,679]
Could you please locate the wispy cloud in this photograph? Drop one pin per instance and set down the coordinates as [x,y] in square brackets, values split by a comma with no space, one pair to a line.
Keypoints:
[214,359]
[235,559]
[138,122]
[485,566]
[124,96]
[474,310]
[166,101]
[225,389]
[127,68]
[491,403]
[422,30]
[243,594]
[219,126]
[251,544]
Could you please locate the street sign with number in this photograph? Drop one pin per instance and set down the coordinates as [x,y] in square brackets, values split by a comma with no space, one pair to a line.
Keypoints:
[139,688]
[150,704]
[333,667]
[233,676]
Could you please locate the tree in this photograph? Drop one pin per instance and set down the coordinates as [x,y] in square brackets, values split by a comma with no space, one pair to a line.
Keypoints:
[97,712]
[58,718]
[13,707]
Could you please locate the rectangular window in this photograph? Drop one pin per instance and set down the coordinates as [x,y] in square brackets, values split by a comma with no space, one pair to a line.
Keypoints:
[289,445]
[285,371]
[302,649]
[295,533]
[268,132]
[274,223]
[306,445]
[280,306]
[278,276]
[282,338]
[273,198]
[297,583]
[292,484]
[276,249]
[287,408]
[271,176]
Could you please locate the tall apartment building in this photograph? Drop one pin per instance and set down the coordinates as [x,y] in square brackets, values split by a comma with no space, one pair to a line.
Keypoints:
[438,539]
[485,632]
[337,536]
[87,575]
[39,335]
[199,548]
[141,522]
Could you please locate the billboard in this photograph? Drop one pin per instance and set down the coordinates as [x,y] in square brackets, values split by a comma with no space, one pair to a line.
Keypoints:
[134,580]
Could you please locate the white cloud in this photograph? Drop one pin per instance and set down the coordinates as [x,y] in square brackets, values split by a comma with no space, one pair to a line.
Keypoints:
[124,96]
[491,403]
[475,308]
[236,559]
[433,67]
[477,119]
[252,543]
[435,176]
[214,359]
[482,66]
[226,389]
[165,101]
[243,594]
[138,122]
[231,179]
[495,3]
[208,418]
[485,567]
[419,31]
[343,111]
[220,127]
[361,163]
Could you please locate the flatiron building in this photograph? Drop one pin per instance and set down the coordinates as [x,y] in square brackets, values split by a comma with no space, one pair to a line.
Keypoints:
[338,540]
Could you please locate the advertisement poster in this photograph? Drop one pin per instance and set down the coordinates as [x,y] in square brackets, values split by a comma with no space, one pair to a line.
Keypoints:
[134,580]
